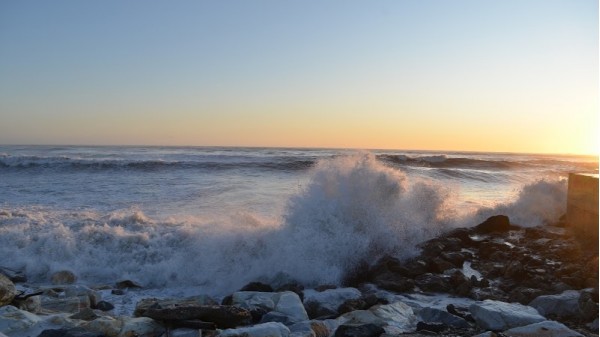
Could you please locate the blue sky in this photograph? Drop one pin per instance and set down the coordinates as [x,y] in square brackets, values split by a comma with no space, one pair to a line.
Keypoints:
[383,74]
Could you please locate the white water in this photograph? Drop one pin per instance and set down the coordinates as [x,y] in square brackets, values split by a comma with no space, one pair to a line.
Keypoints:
[349,209]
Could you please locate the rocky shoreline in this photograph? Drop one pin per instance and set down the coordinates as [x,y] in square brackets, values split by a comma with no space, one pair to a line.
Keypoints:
[494,279]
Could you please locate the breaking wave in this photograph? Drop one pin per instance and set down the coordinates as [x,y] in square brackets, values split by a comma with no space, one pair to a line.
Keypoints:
[353,209]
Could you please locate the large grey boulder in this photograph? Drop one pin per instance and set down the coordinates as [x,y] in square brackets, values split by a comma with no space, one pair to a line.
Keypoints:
[271,329]
[7,290]
[395,318]
[433,315]
[13,320]
[542,329]
[497,316]
[285,307]
[327,302]
[561,305]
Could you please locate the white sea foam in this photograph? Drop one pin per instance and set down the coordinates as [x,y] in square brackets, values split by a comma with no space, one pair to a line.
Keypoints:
[353,209]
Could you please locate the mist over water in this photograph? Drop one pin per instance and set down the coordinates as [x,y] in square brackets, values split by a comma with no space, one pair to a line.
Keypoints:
[257,217]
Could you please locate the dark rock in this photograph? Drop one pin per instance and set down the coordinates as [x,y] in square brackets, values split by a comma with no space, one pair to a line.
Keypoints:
[496,223]
[352,305]
[257,286]
[433,327]
[460,312]
[588,304]
[457,259]
[104,306]
[85,314]
[275,316]
[324,287]
[223,316]
[439,265]
[76,332]
[316,310]
[462,234]
[371,300]
[394,282]
[63,277]
[117,292]
[433,283]
[366,330]
[257,314]
[515,271]
[227,300]
[523,295]
[13,275]
[8,291]
[293,287]
[432,315]
[127,284]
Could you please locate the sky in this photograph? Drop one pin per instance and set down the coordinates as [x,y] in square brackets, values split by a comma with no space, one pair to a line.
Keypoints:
[497,75]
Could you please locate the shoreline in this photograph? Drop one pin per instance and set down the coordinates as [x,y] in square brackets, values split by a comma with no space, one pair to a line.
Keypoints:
[444,290]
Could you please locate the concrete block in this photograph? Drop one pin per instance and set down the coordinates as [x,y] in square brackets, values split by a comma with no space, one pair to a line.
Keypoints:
[582,206]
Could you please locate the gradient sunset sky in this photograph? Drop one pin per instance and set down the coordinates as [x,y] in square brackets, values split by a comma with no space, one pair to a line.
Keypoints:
[508,76]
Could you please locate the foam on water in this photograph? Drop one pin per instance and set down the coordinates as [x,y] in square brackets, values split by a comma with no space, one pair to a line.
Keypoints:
[353,209]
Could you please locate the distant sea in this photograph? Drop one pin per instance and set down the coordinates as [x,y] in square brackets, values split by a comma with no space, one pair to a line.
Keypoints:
[218,217]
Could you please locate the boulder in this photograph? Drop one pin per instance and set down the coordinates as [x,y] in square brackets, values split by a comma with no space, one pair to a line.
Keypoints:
[7,290]
[80,290]
[593,326]
[140,326]
[257,286]
[63,277]
[32,304]
[13,320]
[497,316]
[314,328]
[104,306]
[433,315]
[271,329]
[286,303]
[542,329]
[224,316]
[13,275]
[564,305]
[365,330]
[496,223]
[433,283]
[327,302]
[108,326]
[67,304]
[588,304]
[395,318]
[86,314]
[146,303]
[126,284]
[76,332]
[393,282]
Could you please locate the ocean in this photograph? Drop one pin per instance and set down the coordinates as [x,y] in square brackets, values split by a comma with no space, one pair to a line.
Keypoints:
[216,218]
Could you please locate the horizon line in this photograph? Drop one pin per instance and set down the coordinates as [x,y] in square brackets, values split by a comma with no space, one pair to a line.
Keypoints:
[308,148]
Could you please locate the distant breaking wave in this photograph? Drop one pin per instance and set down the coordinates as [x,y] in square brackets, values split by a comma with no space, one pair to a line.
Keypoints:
[280,163]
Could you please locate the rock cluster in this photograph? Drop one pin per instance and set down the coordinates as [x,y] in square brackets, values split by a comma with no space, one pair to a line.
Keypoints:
[497,280]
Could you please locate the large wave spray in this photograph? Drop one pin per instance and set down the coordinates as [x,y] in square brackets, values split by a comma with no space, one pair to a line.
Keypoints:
[353,209]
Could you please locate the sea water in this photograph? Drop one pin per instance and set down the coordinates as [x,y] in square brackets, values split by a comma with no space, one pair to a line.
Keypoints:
[216,218]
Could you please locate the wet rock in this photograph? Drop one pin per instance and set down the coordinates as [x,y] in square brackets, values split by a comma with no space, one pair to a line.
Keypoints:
[146,303]
[140,326]
[439,265]
[497,316]
[542,329]
[222,315]
[126,284]
[564,305]
[271,329]
[13,320]
[76,332]
[68,304]
[496,223]
[395,318]
[293,287]
[457,259]
[394,282]
[105,325]
[32,304]
[7,290]
[117,292]
[460,312]
[324,287]
[432,283]
[523,295]
[104,306]
[86,314]
[588,304]
[433,327]
[326,303]
[593,326]
[13,275]
[80,290]
[63,277]
[313,328]
[257,286]
[432,315]
[286,303]
[365,330]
